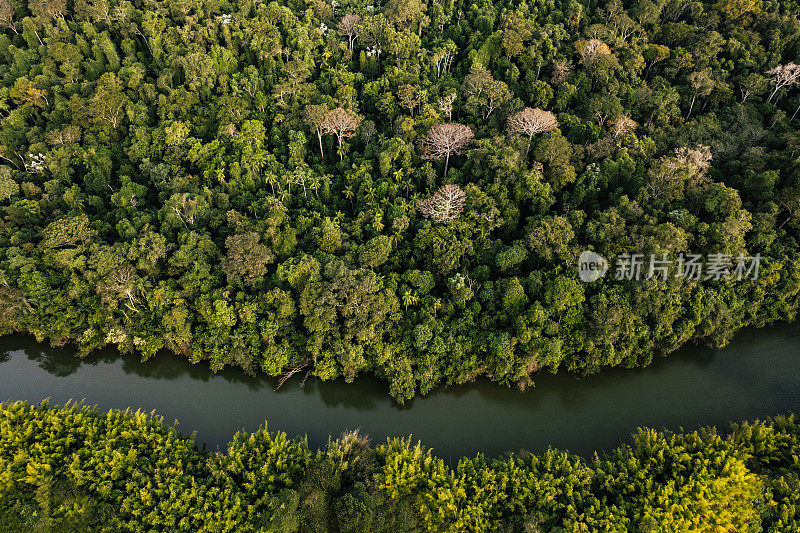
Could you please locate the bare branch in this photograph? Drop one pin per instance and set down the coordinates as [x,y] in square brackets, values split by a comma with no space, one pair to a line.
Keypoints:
[348,26]
[783,76]
[444,140]
[342,123]
[531,121]
[445,205]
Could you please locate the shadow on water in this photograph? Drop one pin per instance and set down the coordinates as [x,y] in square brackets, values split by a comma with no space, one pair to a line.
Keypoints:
[59,362]
[757,375]
[62,361]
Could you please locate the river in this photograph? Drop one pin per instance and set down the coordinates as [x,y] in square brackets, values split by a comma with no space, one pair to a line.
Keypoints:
[756,376]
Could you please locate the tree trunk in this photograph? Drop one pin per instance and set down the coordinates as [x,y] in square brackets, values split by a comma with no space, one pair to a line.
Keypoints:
[446,163]
[771,96]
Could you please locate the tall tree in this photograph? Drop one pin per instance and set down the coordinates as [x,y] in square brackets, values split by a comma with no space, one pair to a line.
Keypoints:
[783,76]
[444,140]
[315,118]
[531,121]
[348,26]
[7,15]
[445,205]
[341,123]
[701,84]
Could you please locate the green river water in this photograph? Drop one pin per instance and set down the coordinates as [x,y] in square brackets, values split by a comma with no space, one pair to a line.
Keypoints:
[757,375]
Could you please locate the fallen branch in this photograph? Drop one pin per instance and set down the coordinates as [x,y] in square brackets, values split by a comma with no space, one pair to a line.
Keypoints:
[286,374]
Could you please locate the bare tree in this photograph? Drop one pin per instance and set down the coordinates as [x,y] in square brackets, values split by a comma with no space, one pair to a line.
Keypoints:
[783,76]
[343,124]
[7,15]
[622,125]
[591,51]
[531,121]
[445,105]
[315,117]
[445,205]
[289,372]
[348,26]
[561,71]
[444,140]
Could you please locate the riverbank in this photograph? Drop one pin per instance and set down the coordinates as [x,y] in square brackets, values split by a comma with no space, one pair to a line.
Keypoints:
[77,469]
[756,376]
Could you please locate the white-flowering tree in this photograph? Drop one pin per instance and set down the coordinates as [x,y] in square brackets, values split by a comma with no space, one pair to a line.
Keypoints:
[622,125]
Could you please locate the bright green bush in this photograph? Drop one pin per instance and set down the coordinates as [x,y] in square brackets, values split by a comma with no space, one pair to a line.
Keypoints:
[75,469]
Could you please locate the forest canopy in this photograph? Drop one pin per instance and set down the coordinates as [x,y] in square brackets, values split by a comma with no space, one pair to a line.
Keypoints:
[74,469]
[401,188]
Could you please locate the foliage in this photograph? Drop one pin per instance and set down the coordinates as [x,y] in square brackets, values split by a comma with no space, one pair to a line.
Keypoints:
[75,469]
[241,182]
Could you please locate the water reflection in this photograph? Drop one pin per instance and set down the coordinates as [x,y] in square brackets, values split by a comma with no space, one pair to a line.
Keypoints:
[758,375]
[55,361]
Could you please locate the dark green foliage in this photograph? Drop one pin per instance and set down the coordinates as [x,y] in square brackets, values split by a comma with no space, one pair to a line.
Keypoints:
[239,181]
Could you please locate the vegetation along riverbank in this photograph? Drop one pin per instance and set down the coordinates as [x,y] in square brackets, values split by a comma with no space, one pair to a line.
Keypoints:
[402,189]
[75,469]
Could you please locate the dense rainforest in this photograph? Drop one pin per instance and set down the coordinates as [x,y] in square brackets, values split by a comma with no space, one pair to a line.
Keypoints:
[327,189]
[75,469]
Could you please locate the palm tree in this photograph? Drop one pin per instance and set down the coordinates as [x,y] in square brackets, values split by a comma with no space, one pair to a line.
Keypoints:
[272,179]
[407,185]
[371,194]
[410,298]
[378,224]
[314,184]
[349,193]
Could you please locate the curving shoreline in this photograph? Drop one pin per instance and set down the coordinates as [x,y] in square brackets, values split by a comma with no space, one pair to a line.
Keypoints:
[756,376]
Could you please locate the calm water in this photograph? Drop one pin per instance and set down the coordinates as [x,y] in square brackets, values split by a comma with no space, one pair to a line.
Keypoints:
[757,375]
